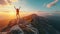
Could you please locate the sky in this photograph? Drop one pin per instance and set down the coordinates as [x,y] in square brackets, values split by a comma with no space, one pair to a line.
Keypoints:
[31,5]
[39,5]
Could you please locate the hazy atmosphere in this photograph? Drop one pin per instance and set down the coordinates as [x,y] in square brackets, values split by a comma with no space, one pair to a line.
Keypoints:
[30,16]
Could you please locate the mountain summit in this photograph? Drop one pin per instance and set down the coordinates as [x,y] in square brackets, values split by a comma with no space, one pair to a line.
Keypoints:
[33,22]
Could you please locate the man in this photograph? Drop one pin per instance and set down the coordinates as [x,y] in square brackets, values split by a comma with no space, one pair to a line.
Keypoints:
[17,14]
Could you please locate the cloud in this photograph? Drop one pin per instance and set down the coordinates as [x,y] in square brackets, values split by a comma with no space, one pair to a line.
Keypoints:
[7,2]
[3,2]
[52,3]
